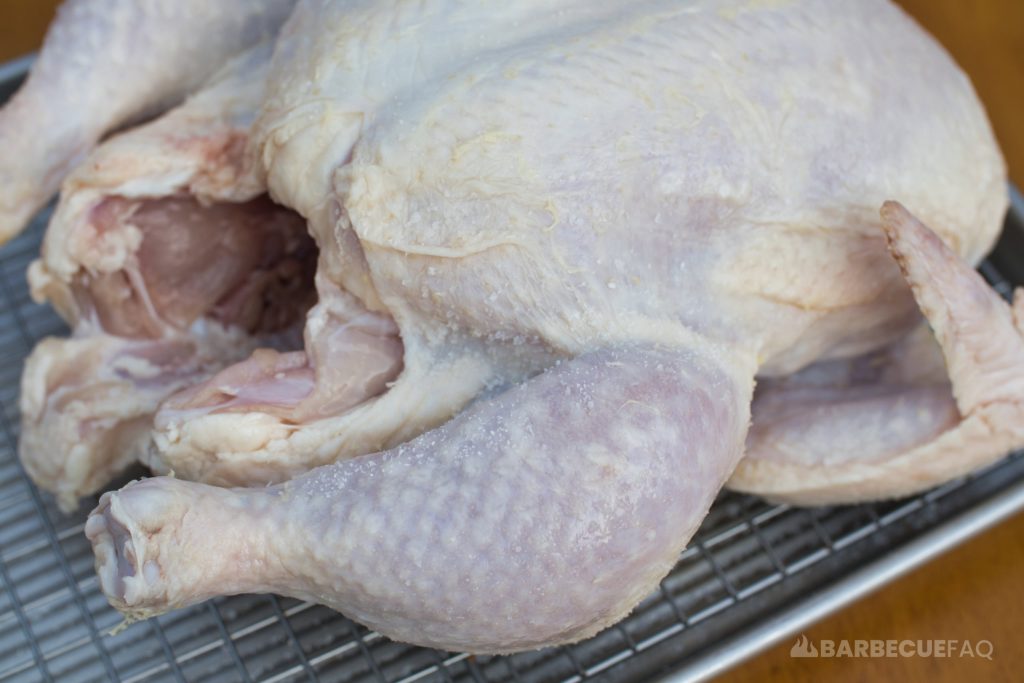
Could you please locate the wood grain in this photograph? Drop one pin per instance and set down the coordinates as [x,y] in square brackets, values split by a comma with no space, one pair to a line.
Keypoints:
[971,593]
[22,25]
[987,38]
[974,592]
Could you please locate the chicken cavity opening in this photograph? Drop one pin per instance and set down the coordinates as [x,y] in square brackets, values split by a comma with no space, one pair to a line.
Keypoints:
[249,265]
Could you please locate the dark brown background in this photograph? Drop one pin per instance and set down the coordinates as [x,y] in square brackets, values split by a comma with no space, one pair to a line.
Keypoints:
[973,592]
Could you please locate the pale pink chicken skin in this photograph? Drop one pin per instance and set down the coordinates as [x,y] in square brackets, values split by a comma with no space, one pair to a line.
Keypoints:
[623,213]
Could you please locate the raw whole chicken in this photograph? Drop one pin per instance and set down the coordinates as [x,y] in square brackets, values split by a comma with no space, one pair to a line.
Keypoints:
[556,245]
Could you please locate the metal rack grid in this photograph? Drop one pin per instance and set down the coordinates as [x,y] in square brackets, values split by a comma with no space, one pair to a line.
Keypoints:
[749,575]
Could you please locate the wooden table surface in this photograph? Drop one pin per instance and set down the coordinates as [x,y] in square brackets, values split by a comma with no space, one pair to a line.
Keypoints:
[972,593]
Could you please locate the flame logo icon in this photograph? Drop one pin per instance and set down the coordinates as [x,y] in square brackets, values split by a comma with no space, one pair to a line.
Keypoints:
[803,648]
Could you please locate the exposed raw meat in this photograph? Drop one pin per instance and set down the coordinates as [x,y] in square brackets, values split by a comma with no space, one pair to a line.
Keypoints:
[248,264]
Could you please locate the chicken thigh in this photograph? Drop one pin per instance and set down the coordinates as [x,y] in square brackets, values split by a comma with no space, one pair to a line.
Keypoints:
[597,225]
[105,63]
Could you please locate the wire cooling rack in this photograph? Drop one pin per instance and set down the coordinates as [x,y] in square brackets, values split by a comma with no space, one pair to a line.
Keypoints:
[754,572]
